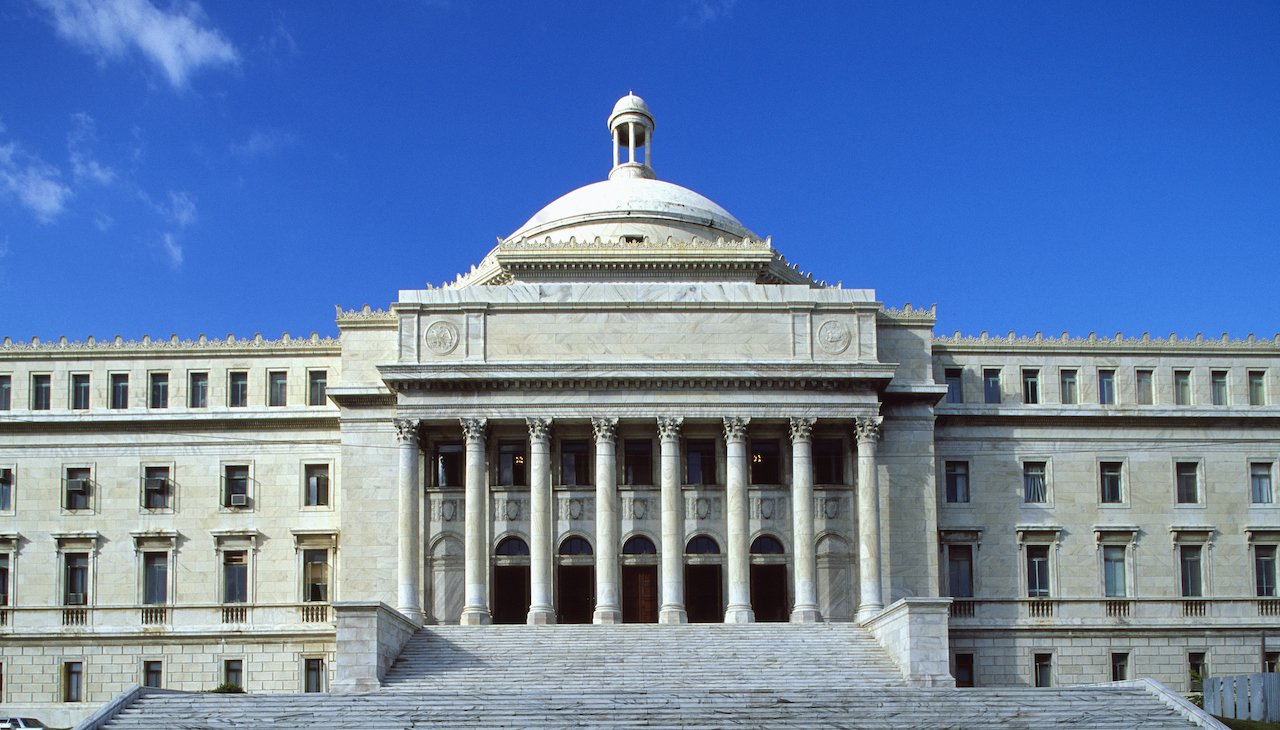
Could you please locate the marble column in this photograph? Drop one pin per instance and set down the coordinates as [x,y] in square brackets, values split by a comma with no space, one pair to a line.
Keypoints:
[410,567]
[806,561]
[608,580]
[672,610]
[475,610]
[541,608]
[870,600]
[736,475]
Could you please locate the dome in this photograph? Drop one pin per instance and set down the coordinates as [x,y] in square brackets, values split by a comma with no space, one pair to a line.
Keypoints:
[630,103]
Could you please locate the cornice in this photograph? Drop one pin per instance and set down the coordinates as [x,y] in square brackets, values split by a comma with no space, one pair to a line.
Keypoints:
[315,344]
[1092,343]
[908,316]
[365,317]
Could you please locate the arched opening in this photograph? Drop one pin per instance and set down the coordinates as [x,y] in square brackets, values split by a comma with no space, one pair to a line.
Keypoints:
[703,576]
[769,580]
[639,581]
[446,577]
[511,581]
[835,578]
[575,581]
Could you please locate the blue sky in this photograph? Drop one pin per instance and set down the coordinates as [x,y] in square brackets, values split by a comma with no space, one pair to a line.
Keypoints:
[231,167]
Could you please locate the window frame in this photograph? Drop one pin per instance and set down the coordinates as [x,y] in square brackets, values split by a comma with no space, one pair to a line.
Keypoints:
[708,458]
[1219,388]
[828,455]
[9,573]
[1121,484]
[1069,383]
[515,474]
[1042,669]
[1042,586]
[1270,466]
[6,391]
[952,494]
[1120,669]
[81,385]
[277,388]
[200,393]
[237,389]
[954,377]
[11,484]
[41,391]
[250,488]
[72,690]
[307,467]
[307,593]
[170,490]
[1144,386]
[90,488]
[1192,578]
[306,661]
[317,388]
[1026,463]
[1108,392]
[147,665]
[158,390]
[991,392]
[1183,388]
[952,550]
[439,473]
[762,464]
[225,557]
[1257,387]
[1031,386]
[1262,575]
[637,462]
[118,393]
[972,665]
[152,544]
[1179,471]
[240,671]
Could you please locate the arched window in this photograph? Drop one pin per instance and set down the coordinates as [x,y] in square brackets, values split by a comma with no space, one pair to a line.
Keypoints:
[575,546]
[765,545]
[512,546]
[639,545]
[702,545]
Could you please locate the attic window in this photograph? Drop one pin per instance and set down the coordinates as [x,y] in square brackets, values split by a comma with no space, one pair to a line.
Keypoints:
[633,239]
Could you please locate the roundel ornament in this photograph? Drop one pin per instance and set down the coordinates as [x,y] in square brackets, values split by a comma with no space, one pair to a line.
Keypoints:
[833,337]
[442,337]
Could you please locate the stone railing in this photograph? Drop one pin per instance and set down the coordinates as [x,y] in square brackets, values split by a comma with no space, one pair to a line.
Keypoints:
[1106,611]
[370,636]
[116,619]
[913,632]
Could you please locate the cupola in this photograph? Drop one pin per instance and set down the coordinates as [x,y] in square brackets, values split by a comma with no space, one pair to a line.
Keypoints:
[631,127]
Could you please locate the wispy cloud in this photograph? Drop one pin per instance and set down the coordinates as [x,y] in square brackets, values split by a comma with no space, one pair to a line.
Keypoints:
[34,183]
[263,142]
[701,12]
[182,208]
[177,40]
[172,249]
[79,150]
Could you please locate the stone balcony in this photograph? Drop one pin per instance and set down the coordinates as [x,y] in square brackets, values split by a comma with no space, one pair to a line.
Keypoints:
[1199,612]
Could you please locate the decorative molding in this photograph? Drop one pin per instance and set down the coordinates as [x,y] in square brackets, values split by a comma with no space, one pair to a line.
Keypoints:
[833,337]
[606,429]
[407,430]
[802,429]
[669,428]
[539,429]
[442,337]
[473,429]
[1092,341]
[735,429]
[908,315]
[119,344]
[364,314]
[869,429]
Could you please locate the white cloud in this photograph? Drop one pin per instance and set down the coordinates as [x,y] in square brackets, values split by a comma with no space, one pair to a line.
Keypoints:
[176,40]
[260,143]
[33,182]
[700,12]
[173,250]
[79,139]
[182,208]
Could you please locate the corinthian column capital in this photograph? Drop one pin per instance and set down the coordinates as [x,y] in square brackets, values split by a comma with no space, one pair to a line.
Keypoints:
[869,429]
[539,429]
[407,430]
[802,429]
[669,428]
[606,429]
[473,428]
[735,429]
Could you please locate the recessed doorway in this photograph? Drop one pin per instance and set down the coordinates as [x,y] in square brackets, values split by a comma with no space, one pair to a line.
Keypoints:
[511,582]
[640,594]
[575,582]
[769,580]
[703,576]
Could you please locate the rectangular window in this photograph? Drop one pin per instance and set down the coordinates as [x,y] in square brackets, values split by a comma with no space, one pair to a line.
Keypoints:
[1218,387]
[1109,473]
[72,682]
[155,578]
[76,586]
[1114,583]
[152,674]
[199,395]
[575,463]
[957,476]
[1197,668]
[4,580]
[317,476]
[315,575]
[1189,556]
[1257,388]
[156,488]
[955,392]
[1146,388]
[448,465]
[1270,660]
[1068,387]
[78,485]
[277,388]
[316,380]
[511,461]
[1037,571]
[1119,666]
[1188,487]
[960,571]
[700,462]
[765,462]
[1260,483]
[235,576]
[6,490]
[80,392]
[1034,488]
[159,391]
[314,681]
[964,670]
[6,389]
[1044,670]
[828,461]
[1182,387]
[991,386]
[238,394]
[1264,568]
[1030,387]
[233,672]
[120,391]
[1107,387]
[41,397]
[637,462]
[235,491]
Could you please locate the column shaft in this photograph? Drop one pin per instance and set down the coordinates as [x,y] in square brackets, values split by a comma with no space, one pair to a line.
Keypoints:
[475,610]
[410,594]
[806,562]
[870,600]
[672,610]
[735,435]
[608,583]
[541,608]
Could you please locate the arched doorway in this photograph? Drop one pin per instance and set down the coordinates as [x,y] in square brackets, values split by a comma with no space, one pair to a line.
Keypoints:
[639,581]
[703,591]
[446,576]
[835,578]
[511,581]
[575,582]
[769,580]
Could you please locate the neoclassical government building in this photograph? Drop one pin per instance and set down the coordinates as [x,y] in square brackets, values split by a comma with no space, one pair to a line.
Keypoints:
[634,409]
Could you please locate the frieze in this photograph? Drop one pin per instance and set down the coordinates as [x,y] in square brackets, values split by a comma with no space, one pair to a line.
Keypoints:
[510,509]
[202,342]
[575,509]
[769,508]
[614,244]
[830,507]
[638,508]
[446,510]
[704,509]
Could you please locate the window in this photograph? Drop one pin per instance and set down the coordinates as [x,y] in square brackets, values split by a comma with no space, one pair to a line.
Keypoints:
[1119,666]
[639,545]
[955,393]
[1218,387]
[1264,568]
[1037,571]
[1044,670]
[6,388]
[964,670]
[238,394]
[1182,387]
[159,397]
[1107,387]
[1260,483]
[277,388]
[1030,387]
[72,682]
[77,489]
[637,462]
[575,463]
[448,465]
[156,488]
[40,392]
[1114,581]
[80,392]
[199,395]
[828,461]
[155,578]
[235,492]
[315,575]
[1197,668]
[991,386]
[120,391]
[316,380]
[1034,488]
[233,672]
[4,579]
[1189,557]
[152,674]
[571,546]
[6,490]
[1146,388]
[766,545]
[957,477]
[765,462]
[1068,387]
[1109,473]
[512,546]
[76,585]
[960,571]
[314,681]
[1257,388]
[317,476]
[1188,489]
[700,462]
[511,464]
[1270,660]
[235,576]
[702,545]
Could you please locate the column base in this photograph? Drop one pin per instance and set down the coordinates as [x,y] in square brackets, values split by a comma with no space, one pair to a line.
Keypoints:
[607,616]
[806,616]
[413,613]
[868,612]
[739,615]
[541,617]
[475,617]
[673,616]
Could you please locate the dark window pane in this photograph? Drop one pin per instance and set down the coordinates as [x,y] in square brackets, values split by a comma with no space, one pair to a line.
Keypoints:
[574,546]
[317,476]
[155,579]
[235,567]
[1037,571]
[80,392]
[1109,476]
[511,464]
[575,463]
[765,545]
[277,389]
[238,394]
[700,462]
[119,391]
[765,461]
[199,396]
[317,380]
[448,465]
[702,545]
[955,394]
[315,577]
[639,545]
[159,390]
[514,546]
[991,386]
[960,570]
[828,461]
[638,462]
[957,476]
[41,398]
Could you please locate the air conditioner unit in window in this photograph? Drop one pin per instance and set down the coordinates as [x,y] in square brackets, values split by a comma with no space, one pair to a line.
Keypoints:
[77,485]
[239,500]
[157,485]
[75,599]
